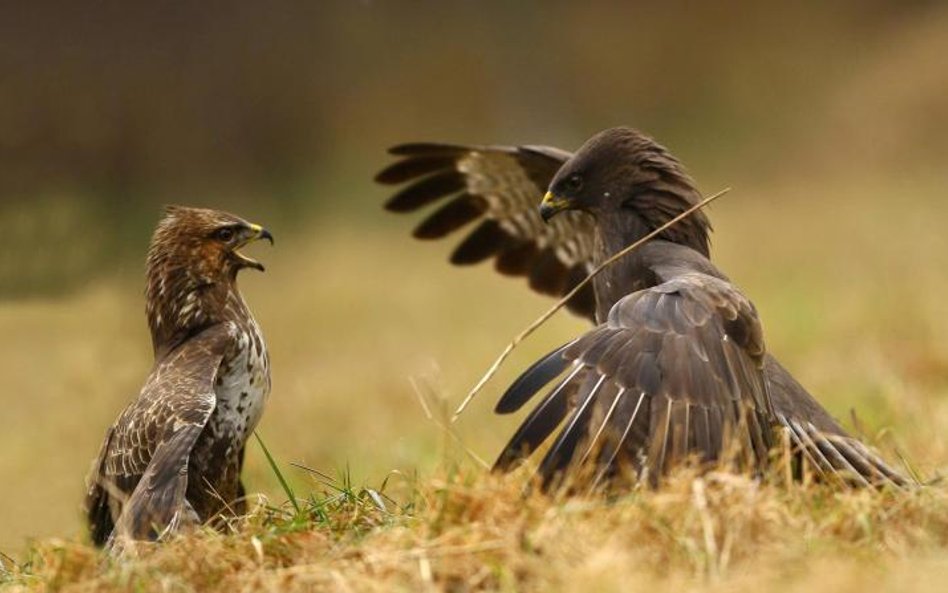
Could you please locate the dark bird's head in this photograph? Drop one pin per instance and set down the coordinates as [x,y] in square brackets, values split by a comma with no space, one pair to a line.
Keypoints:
[628,181]
[192,267]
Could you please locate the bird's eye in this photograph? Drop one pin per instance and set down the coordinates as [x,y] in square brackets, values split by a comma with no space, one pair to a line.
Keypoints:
[574,183]
[225,234]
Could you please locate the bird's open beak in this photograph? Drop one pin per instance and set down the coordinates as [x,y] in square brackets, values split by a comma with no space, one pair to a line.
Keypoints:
[551,205]
[255,233]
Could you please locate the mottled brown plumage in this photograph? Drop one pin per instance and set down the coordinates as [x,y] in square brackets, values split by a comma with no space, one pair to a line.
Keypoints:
[498,187]
[677,366]
[174,455]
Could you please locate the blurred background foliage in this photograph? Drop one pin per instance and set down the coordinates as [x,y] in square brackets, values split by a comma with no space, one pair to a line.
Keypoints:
[829,119]
[111,108]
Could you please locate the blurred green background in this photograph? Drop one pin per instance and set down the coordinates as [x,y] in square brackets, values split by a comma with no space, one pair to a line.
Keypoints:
[829,119]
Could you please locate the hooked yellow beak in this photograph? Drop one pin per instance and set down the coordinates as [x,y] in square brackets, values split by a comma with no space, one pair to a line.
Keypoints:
[551,205]
[259,233]
[256,233]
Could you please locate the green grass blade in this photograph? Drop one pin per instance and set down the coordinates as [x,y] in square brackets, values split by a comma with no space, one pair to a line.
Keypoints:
[279,475]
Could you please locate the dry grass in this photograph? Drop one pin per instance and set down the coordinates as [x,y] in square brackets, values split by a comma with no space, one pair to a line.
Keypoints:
[356,311]
[467,532]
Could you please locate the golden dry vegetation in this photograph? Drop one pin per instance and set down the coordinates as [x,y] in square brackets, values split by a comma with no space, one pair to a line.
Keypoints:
[471,533]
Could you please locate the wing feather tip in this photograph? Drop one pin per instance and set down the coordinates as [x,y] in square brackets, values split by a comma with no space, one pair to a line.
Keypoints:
[533,380]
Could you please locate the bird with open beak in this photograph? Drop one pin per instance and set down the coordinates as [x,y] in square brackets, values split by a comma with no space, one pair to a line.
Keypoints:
[173,458]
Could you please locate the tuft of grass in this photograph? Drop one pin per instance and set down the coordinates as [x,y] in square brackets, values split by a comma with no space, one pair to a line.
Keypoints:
[464,530]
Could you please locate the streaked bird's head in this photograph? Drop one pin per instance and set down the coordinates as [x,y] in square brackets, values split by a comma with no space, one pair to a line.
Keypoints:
[622,176]
[192,268]
[207,242]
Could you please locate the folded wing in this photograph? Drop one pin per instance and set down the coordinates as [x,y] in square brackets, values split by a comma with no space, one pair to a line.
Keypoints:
[138,483]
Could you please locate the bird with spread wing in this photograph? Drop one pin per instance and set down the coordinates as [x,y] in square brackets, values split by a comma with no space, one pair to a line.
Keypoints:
[676,368]
[173,458]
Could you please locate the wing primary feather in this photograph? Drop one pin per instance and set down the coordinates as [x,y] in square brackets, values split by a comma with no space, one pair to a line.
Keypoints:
[485,241]
[602,426]
[538,425]
[857,460]
[872,458]
[457,213]
[710,446]
[561,453]
[430,149]
[427,190]
[686,433]
[832,454]
[701,438]
[533,379]
[660,465]
[584,302]
[517,260]
[412,168]
[808,448]
[549,275]
[620,442]
[761,435]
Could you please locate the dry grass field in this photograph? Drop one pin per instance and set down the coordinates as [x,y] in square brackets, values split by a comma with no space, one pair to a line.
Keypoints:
[850,282]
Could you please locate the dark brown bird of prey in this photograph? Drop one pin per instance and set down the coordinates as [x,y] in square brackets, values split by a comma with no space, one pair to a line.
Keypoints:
[174,456]
[676,367]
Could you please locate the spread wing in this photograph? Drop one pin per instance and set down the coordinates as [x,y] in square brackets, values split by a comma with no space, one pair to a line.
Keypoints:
[137,489]
[499,188]
[818,438]
[675,372]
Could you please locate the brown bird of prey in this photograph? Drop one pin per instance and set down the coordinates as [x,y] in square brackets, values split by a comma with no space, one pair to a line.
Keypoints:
[174,456]
[676,367]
